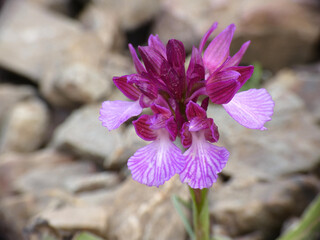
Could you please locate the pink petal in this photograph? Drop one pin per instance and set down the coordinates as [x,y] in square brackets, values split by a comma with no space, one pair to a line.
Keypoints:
[245,73]
[206,36]
[203,163]
[129,90]
[223,86]
[252,108]
[143,130]
[218,50]
[194,110]
[155,42]
[137,63]
[156,163]
[114,113]
[197,124]
[235,60]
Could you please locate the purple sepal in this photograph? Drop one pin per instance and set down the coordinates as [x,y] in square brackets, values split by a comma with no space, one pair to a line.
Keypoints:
[203,163]
[155,42]
[153,60]
[186,137]
[157,162]
[143,130]
[194,110]
[211,134]
[144,85]
[114,113]
[206,36]
[137,63]
[145,101]
[218,50]
[129,90]
[176,56]
[221,87]
[235,59]
[245,73]
[195,72]
[252,108]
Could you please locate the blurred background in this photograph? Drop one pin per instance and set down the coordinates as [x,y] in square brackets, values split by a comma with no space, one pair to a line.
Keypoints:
[62,173]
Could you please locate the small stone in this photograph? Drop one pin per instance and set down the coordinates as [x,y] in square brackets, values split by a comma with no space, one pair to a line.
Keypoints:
[10,95]
[92,182]
[70,218]
[46,178]
[131,14]
[25,127]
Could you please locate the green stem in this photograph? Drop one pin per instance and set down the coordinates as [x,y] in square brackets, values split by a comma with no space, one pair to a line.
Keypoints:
[200,213]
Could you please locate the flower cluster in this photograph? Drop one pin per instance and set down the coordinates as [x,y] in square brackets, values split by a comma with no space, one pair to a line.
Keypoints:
[173,94]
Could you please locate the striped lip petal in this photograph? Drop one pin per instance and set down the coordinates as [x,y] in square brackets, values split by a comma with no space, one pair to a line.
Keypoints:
[114,113]
[137,63]
[157,162]
[218,50]
[203,163]
[155,42]
[223,86]
[128,89]
[252,108]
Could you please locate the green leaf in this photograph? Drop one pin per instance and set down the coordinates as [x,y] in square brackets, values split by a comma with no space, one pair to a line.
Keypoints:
[86,236]
[177,203]
[309,226]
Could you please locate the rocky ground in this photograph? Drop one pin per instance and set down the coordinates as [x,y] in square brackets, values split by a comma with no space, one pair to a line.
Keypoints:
[62,173]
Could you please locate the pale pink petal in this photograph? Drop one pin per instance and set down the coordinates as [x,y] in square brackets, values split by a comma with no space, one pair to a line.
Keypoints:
[218,50]
[252,108]
[114,113]
[203,163]
[235,60]
[156,163]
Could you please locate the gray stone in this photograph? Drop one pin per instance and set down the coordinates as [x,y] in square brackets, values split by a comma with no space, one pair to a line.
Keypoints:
[148,212]
[46,178]
[71,218]
[104,22]
[25,127]
[131,14]
[10,95]
[273,34]
[54,51]
[14,165]
[83,134]
[242,208]
[92,182]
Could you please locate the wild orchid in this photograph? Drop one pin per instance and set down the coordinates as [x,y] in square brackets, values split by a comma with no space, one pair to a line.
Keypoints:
[179,99]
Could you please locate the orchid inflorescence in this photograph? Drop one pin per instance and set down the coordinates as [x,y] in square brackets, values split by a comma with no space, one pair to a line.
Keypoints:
[172,93]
